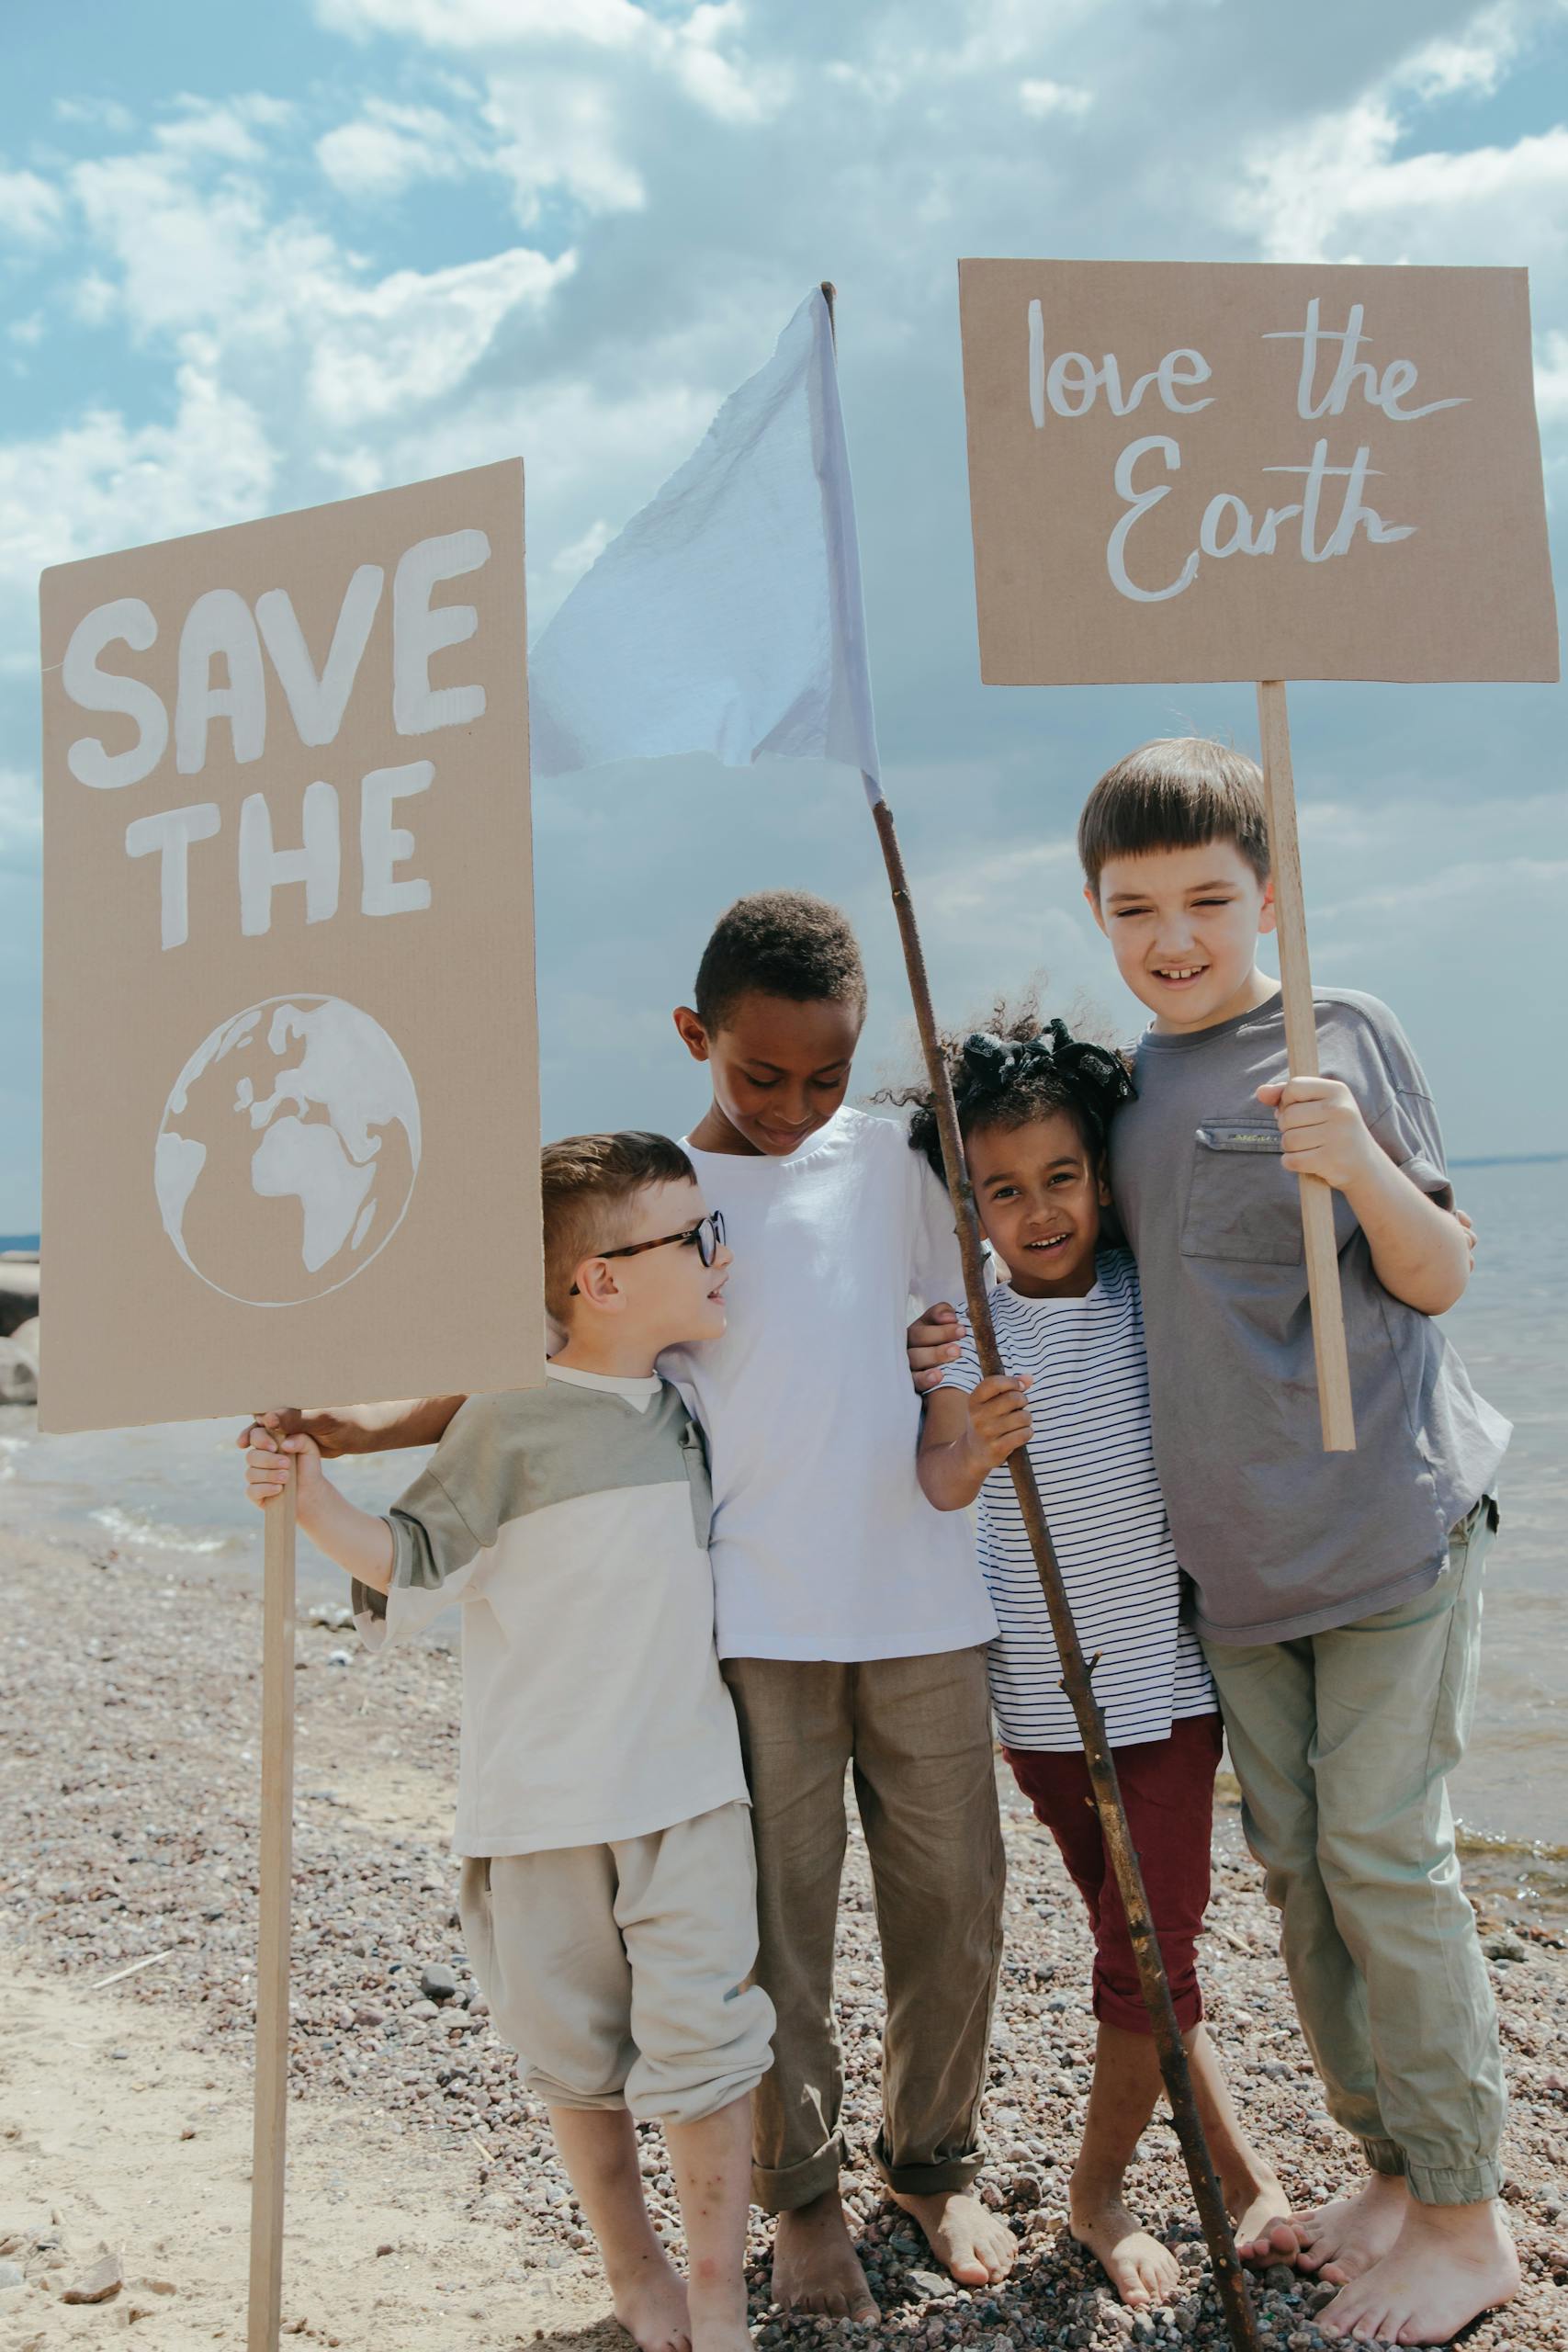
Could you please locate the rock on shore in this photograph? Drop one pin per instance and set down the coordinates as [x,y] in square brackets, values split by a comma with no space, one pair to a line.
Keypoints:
[18,1365]
[18,1326]
[128,1793]
[18,1290]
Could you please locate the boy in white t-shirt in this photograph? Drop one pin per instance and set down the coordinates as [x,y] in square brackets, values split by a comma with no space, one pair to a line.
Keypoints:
[852,1618]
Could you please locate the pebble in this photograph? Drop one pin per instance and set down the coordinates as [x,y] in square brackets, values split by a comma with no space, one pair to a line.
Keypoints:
[101,2280]
[438,1982]
[11,2275]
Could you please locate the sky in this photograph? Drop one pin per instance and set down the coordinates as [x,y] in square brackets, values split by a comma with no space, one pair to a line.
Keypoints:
[254,259]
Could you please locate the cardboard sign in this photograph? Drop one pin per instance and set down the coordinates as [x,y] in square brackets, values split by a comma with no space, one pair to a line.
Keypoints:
[291,1061]
[1192,471]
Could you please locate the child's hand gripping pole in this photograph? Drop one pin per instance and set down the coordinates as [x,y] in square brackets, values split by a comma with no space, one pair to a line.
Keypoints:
[276,1855]
[1301,1049]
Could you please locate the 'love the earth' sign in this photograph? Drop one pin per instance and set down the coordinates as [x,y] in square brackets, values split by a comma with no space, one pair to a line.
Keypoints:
[1195,470]
[291,1149]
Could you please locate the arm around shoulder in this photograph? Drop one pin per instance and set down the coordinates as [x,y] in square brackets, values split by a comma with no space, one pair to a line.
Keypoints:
[367,1428]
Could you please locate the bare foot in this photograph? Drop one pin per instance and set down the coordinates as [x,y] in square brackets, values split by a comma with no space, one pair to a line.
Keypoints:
[1141,2269]
[815,2266]
[965,2236]
[719,2315]
[1342,2239]
[1256,2202]
[649,2299]
[1450,2263]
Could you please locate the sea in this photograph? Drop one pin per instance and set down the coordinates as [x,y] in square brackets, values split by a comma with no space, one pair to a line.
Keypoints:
[168,1495]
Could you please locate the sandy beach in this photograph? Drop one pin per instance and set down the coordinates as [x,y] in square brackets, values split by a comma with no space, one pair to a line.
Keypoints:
[425,2208]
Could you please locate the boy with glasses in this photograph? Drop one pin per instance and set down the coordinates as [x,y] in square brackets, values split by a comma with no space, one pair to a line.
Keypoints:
[608,1887]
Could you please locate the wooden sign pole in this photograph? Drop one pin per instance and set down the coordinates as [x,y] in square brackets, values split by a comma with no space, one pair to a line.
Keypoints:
[1076,1670]
[1301,1049]
[277,1857]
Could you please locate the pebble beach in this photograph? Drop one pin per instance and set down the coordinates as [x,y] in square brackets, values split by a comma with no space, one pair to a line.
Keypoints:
[426,2206]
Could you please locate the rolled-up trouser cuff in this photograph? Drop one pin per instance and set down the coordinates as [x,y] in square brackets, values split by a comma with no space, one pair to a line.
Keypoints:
[1455,2185]
[1384,2155]
[943,2179]
[792,2186]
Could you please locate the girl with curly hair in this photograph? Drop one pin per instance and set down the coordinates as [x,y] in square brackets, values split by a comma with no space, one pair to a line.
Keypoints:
[1034,1104]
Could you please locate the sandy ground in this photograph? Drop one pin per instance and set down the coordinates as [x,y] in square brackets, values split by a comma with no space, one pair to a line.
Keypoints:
[425,2206]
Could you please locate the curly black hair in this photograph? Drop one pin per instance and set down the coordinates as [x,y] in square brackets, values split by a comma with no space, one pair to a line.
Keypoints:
[779,942]
[1013,1072]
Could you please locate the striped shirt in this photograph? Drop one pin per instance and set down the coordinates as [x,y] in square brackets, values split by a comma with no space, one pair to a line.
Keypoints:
[1094,1462]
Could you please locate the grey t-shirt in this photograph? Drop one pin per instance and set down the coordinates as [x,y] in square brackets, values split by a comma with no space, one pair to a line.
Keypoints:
[1280,1538]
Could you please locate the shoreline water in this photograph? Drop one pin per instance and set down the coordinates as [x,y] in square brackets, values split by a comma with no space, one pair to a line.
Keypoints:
[171,1472]
[164,1494]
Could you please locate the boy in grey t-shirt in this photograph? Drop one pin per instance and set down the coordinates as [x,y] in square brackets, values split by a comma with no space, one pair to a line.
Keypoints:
[1338,1594]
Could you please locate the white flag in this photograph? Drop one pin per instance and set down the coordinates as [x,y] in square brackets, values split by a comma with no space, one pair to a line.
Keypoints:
[727,617]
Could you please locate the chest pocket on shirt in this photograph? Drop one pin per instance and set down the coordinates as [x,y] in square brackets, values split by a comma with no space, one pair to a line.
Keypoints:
[693,1457]
[1241,1203]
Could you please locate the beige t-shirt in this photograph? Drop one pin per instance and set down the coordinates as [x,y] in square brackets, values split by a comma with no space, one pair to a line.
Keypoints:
[571,1524]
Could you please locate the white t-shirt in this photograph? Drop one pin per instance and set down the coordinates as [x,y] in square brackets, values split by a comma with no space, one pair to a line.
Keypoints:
[1093,1455]
[823,1545]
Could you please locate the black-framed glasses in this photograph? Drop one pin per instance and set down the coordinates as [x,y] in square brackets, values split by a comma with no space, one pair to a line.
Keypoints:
[707,1233]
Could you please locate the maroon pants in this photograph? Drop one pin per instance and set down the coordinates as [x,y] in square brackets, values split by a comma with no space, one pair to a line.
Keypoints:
[1167,1787]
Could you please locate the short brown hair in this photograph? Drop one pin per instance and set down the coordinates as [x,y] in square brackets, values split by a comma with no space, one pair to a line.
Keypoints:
[589,1181]
[1176,794]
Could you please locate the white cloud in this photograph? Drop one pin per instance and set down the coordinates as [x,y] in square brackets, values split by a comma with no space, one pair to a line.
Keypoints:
[570,565]
[413,337]
[31,210]
[97,114]
[102,484]
[565,132]
[1338,188]
[1041,99]
[184,247]
[488,23]
[389,147]
[1473,61]
[197,250]
[1551,378]
[696,50]
[226,130]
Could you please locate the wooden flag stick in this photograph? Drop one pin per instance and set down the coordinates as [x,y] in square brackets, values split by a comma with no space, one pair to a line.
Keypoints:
[1236,2299]
[1301,1051]
[269,2144]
